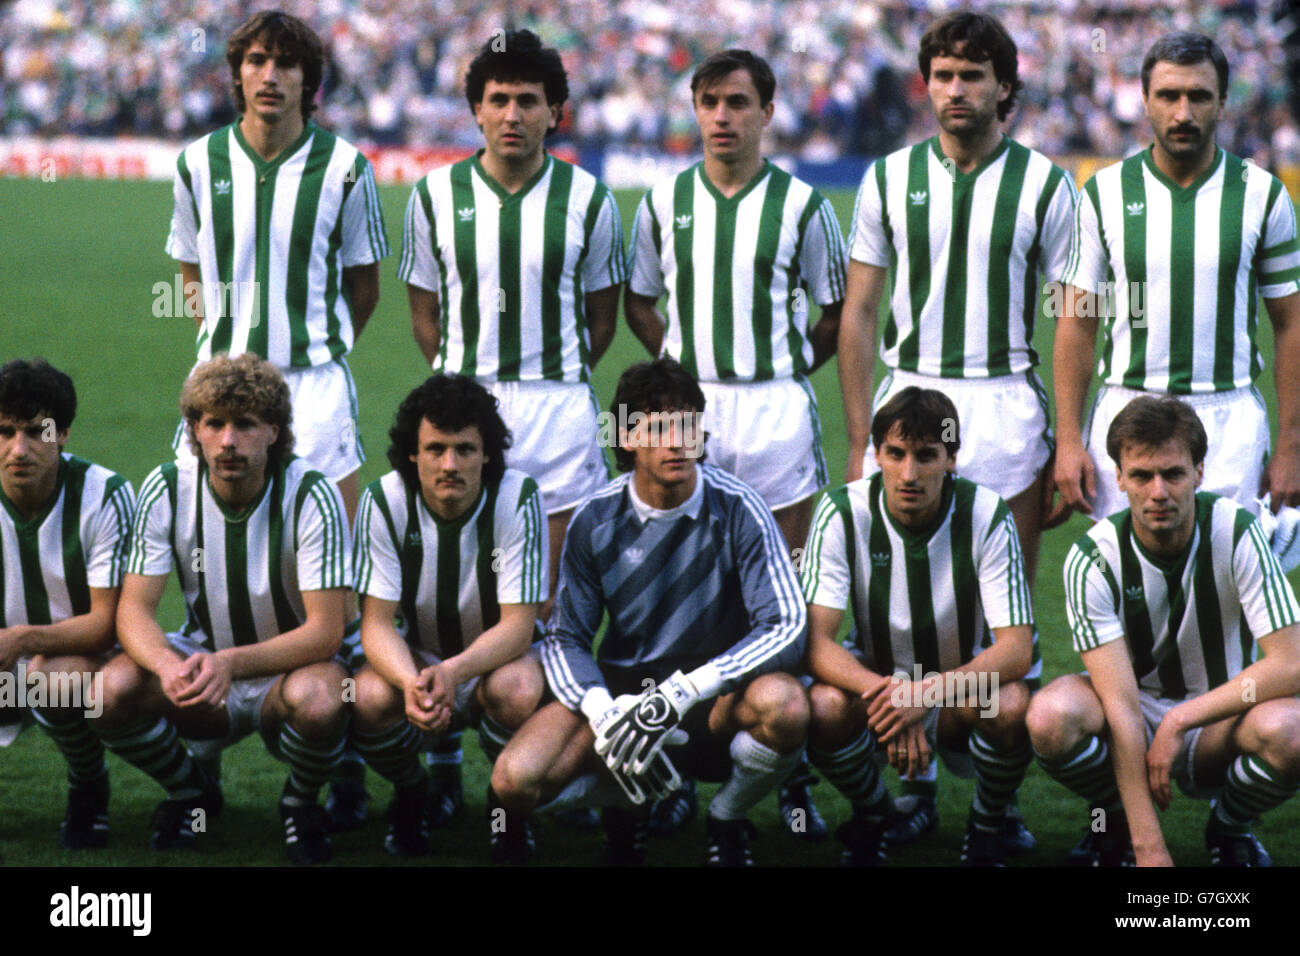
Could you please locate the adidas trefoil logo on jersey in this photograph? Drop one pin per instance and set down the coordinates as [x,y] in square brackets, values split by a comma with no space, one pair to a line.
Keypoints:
[465,214]
[223,187]
[636,555]
[684,221]
[918,198]
[879,559]
[1135,208]
[1133,592]
[413,539]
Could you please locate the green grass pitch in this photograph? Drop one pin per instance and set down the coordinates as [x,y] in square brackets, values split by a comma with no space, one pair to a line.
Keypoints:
[80,260]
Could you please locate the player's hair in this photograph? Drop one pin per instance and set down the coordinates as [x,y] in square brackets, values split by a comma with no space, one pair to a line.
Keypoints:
[246,385]
[1149,421]
[450,403]
[921,414]
[282,35]
[720,65]
[976,37]
[1185,49]
[517,56]
[33,389]
[649,387]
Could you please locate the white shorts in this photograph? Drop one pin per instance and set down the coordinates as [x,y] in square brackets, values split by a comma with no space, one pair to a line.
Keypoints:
[325,424]
[554,430]
[1005,435]
[243,704]
[1236,426]
[1153,712]
[768,435]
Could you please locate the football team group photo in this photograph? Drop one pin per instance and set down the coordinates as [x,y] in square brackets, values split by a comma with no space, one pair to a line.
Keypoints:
[943,519]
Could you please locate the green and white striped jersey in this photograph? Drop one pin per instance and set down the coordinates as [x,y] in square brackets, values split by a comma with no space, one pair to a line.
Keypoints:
[739,271]
[931,599]
[450,578]
[512,270]
[271,240]
[242,574]
[1191,622]
[79,541]
[1178,270]
[968,254]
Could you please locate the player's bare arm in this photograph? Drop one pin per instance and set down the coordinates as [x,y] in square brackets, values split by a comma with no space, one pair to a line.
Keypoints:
[825,334]
[317,639]
[1276,674]
[388,654]
[1072,363]
[505,641]
[829,661]
[361,284]
[141,636]
[425,325]
[1111,675]
[192,286]
[86,634]
[644,320]
[857,355]
[1283,473]
[602,319]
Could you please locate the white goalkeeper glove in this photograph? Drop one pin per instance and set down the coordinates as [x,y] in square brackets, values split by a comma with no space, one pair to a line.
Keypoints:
[647,727]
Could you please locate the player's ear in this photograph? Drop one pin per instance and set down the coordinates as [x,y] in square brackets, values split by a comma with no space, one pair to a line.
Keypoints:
[1200,472]
[768,110]
[555,117]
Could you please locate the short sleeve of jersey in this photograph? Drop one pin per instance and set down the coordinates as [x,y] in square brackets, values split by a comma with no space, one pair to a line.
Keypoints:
[376,567]
[151,546]
[364,238]
[1087,266]
[320,536]
[1058,230]
[867,239]
[825,574]
[1279,257]
[647,276]
[1092,606]
[522,572]
[110,536]
[417,266]
[1267,601]
[183,238]
[822,260]
[1004,590]
[604,264]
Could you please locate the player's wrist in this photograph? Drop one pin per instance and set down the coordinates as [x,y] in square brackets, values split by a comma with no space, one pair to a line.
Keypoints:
[595,704]
[705,681]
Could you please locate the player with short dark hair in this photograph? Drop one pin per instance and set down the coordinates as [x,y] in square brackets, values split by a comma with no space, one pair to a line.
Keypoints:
[971,223]
[450,560]
[1174,248]
[944,639]
[64,529]
[259,542]
[1167,601]
[704,617]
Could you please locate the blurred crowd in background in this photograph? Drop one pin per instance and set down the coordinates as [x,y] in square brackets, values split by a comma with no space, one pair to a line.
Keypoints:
[847,79]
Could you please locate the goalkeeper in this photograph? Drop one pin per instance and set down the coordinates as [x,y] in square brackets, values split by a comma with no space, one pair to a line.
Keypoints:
[704,615]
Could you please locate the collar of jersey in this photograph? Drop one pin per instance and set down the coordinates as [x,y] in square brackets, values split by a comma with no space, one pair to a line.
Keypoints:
[1181,192]
[741,193]
[265,165]
[689,508]
[915,539]
[957,175]
[502,193]
[454,524]
[19,521]
[229,513]
[1175,564]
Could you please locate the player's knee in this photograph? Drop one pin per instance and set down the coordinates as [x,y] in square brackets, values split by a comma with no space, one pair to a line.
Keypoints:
[1012,706]
[512,692]
[1052,721]
[1277,723]
[515,779]
[377,702]
[831,711]
[313,697]
[781,704]
[118,688]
